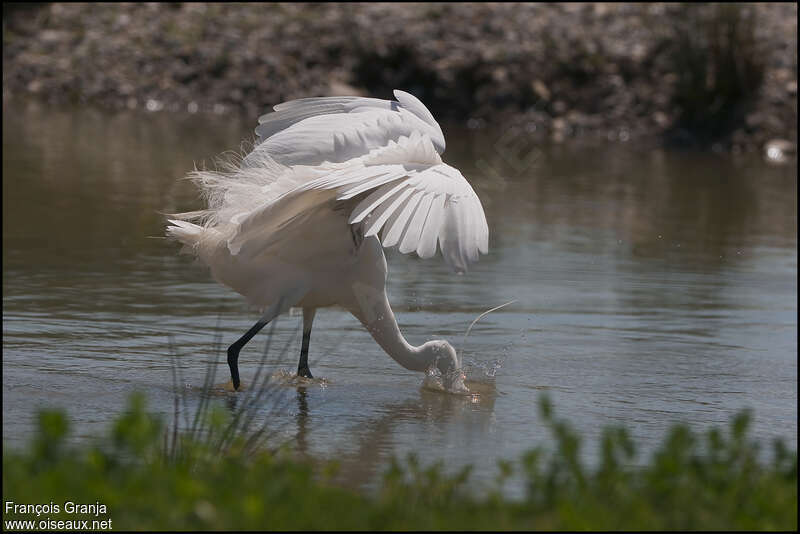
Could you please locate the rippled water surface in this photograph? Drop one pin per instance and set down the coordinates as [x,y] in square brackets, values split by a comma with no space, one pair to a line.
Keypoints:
[651,287]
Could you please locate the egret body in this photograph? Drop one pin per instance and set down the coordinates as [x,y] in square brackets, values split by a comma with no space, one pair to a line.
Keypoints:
[303,218]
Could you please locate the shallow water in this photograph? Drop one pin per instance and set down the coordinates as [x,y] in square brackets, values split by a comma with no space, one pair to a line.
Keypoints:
[651,287]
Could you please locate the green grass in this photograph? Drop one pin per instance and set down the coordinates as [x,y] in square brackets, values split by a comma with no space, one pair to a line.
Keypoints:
[150,478]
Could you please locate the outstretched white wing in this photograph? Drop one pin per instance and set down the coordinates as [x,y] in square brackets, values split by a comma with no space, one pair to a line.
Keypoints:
[407,195]
[310,131]
[431,205]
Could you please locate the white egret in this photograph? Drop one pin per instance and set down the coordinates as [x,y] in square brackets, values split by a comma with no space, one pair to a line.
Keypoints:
[302,219]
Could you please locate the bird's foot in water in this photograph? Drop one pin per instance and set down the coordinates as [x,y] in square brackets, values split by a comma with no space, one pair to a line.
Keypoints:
[229,386]
[305,372]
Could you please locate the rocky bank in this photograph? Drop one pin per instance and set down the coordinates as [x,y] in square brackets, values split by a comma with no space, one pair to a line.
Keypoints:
[711,76]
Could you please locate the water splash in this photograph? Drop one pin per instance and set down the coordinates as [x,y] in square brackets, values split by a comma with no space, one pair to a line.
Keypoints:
[279,377]
[286,377]
[482,371]
[477,373]
[451,382]
[478,318]
[474,382]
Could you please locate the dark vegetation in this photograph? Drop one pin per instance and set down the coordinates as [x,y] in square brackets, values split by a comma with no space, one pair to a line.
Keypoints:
[720,67]
[721,75]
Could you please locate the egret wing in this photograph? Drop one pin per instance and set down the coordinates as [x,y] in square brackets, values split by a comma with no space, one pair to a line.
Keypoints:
[289,113]
[401,191]
[310,131]
[265,226]
[429,206]
[416,200]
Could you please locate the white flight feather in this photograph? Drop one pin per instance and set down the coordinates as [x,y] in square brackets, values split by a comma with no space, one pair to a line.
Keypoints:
[321,150]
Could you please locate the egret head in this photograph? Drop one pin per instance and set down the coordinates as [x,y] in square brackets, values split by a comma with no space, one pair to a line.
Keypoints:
[443,355]
[445,358]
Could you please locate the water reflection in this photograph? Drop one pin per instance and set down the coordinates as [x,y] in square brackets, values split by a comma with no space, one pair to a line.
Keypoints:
[651,286]
[372,443]
[302,421]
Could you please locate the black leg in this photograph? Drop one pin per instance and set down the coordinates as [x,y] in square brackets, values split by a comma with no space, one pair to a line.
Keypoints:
[233,351]
[308,320]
